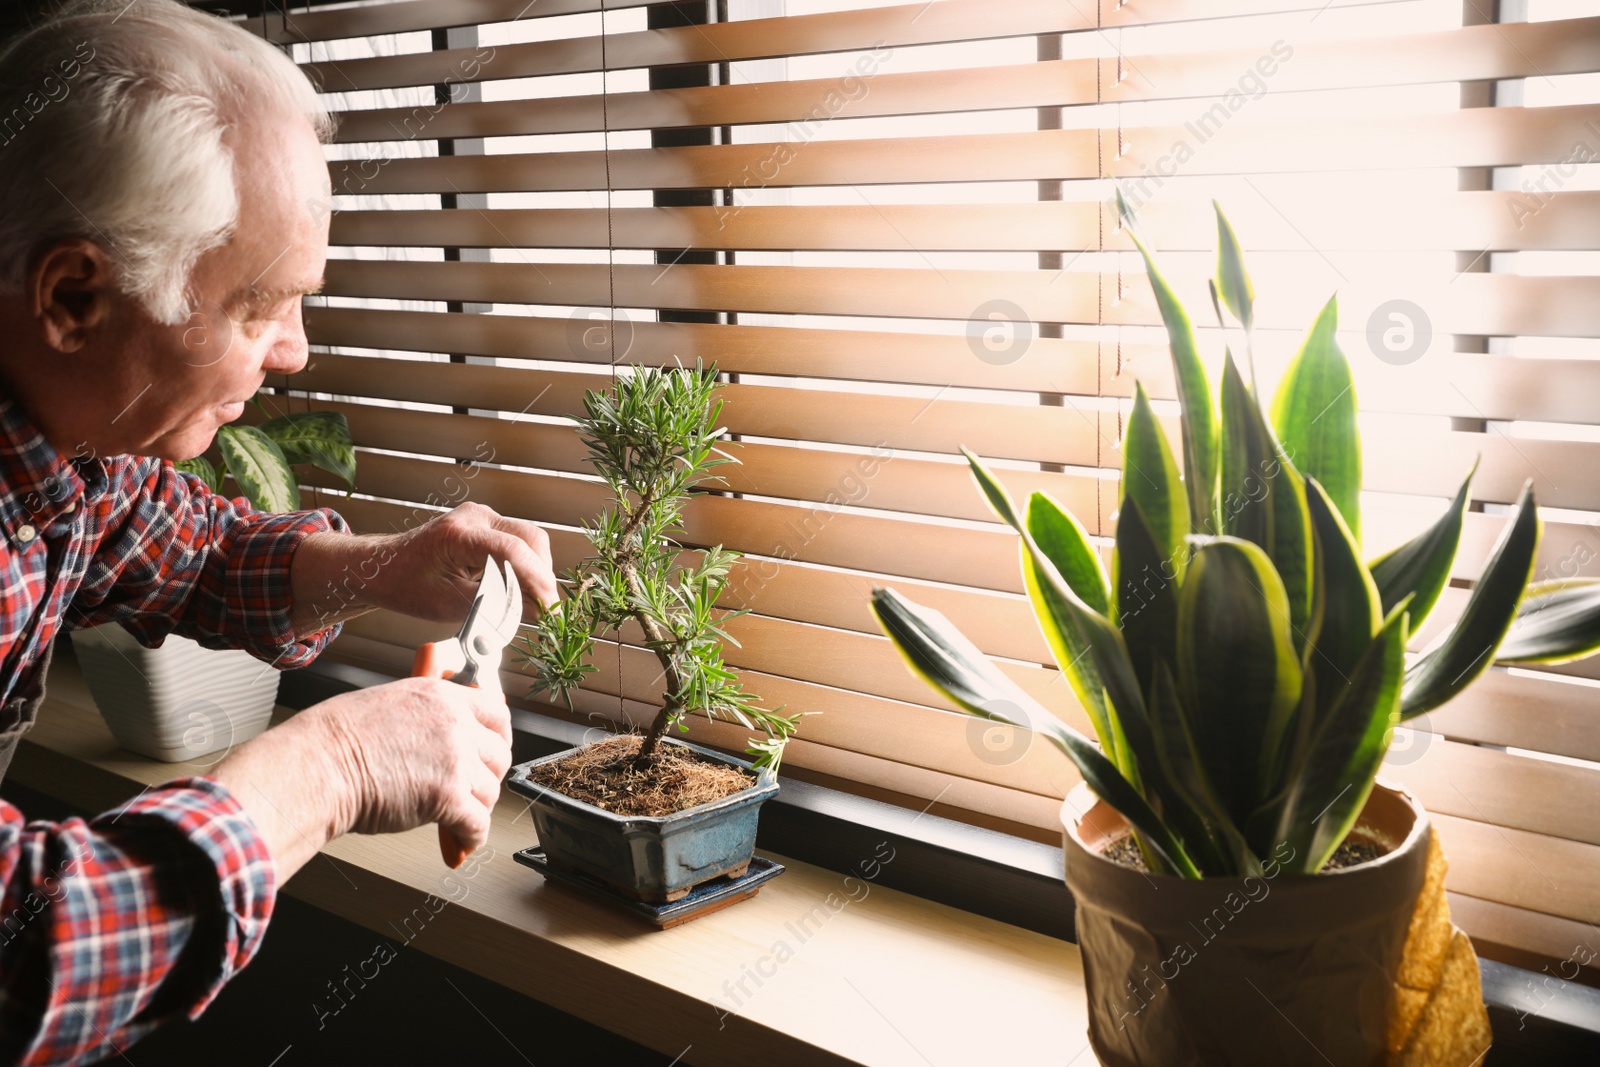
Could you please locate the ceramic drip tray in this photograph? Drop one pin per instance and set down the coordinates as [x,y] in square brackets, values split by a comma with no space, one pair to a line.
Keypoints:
[702,900]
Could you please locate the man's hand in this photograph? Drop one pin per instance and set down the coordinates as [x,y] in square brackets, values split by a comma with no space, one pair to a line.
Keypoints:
[430,572]
[378,760]
[421,750]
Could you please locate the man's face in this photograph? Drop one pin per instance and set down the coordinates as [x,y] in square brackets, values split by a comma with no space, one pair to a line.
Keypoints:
[186,380]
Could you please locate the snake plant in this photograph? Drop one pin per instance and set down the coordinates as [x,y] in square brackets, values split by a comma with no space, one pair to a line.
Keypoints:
[260,458]
[1243,664]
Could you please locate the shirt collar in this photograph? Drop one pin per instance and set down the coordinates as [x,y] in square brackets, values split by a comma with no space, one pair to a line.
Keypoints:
[37,483]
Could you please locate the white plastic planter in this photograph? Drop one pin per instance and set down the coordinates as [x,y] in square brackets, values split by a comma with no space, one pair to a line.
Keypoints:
[178,702]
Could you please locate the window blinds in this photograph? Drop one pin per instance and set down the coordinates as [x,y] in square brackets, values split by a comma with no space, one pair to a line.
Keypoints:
[890,226]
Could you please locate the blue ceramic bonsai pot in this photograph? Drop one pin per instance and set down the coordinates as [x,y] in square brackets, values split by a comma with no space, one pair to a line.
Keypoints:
[655,859]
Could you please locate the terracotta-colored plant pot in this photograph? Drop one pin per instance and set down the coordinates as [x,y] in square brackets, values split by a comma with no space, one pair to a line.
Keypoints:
[1278,969]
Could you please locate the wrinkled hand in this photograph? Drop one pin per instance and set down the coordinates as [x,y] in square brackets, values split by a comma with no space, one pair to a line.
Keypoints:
[433,570]
[416,751]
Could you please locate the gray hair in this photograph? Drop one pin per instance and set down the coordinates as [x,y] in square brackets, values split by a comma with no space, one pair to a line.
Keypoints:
[112,119]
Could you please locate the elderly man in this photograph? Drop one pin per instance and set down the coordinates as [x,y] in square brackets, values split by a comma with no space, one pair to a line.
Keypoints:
[163,193]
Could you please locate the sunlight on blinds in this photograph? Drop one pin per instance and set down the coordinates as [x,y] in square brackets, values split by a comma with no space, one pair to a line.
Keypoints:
[889,225]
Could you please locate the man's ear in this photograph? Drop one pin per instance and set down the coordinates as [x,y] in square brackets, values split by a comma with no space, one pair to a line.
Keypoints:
[69,290]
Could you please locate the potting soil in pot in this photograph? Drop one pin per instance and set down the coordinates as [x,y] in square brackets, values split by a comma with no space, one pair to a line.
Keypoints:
[607,775]
[1124,851]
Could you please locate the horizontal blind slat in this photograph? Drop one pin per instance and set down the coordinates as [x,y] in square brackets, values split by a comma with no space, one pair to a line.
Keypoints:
[1466,385]
[1066,434]
[1474,53]
[1525,870]
[693,286]
[1567,220]
[1560,470]
[1491,304]
[982,157]
[1060,366]
[1001,624]
[410,15]
[405,16]
[1508,790]
[724,42]
[1483,137]
[1468,53]
[1525,938]
[987,227]
[879,479]
[1460,384]
[982,558]
[1127,13]
[1495,710]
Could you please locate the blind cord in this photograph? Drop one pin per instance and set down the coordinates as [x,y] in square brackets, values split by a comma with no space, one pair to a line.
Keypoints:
[1099,293]
[611,245]
[611,270]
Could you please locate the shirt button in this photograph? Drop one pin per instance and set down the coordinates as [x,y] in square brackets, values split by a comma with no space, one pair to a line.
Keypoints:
[25,533]
[72,505]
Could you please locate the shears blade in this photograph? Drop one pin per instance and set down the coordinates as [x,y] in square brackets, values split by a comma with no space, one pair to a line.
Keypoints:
[491,621]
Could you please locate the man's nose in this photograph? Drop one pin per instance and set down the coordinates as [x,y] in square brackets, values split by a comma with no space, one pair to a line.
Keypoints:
[289,352]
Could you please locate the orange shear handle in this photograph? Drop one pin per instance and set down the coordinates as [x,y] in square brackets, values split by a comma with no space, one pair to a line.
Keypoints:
[428,664]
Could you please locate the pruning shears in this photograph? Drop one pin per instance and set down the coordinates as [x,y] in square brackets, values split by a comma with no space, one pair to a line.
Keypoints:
[473,657]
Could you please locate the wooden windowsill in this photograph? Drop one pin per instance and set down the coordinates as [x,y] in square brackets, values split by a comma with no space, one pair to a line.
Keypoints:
[834,970]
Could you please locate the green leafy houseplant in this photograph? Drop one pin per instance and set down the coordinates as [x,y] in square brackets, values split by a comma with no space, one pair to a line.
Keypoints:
[1243,666]
[260,458]
[652,440]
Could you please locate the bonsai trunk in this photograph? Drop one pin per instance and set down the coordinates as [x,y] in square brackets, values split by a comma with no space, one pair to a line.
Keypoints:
[647,747]
[652,630]
[659,638]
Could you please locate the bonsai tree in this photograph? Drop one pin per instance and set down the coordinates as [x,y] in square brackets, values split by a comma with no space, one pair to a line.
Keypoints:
[652,440]
[260,459]
[1242,665]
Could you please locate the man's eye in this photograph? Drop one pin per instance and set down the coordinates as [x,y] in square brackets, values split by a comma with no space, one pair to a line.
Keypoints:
[255,324]
[272,312]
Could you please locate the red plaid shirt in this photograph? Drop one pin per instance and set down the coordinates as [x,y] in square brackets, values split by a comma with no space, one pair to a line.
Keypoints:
[111,927]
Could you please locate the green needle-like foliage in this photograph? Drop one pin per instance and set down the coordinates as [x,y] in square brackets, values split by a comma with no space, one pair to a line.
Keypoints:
[652,440]
[1242,665]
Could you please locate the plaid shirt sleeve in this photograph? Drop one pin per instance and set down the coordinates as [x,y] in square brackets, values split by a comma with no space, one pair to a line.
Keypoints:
[177,558]
[114,926]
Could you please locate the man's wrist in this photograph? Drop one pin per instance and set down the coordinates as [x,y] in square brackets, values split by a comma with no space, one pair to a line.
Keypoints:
[294,784]
[336,577]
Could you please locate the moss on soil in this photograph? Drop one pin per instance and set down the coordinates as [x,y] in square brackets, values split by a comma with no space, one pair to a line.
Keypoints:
[608,775]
